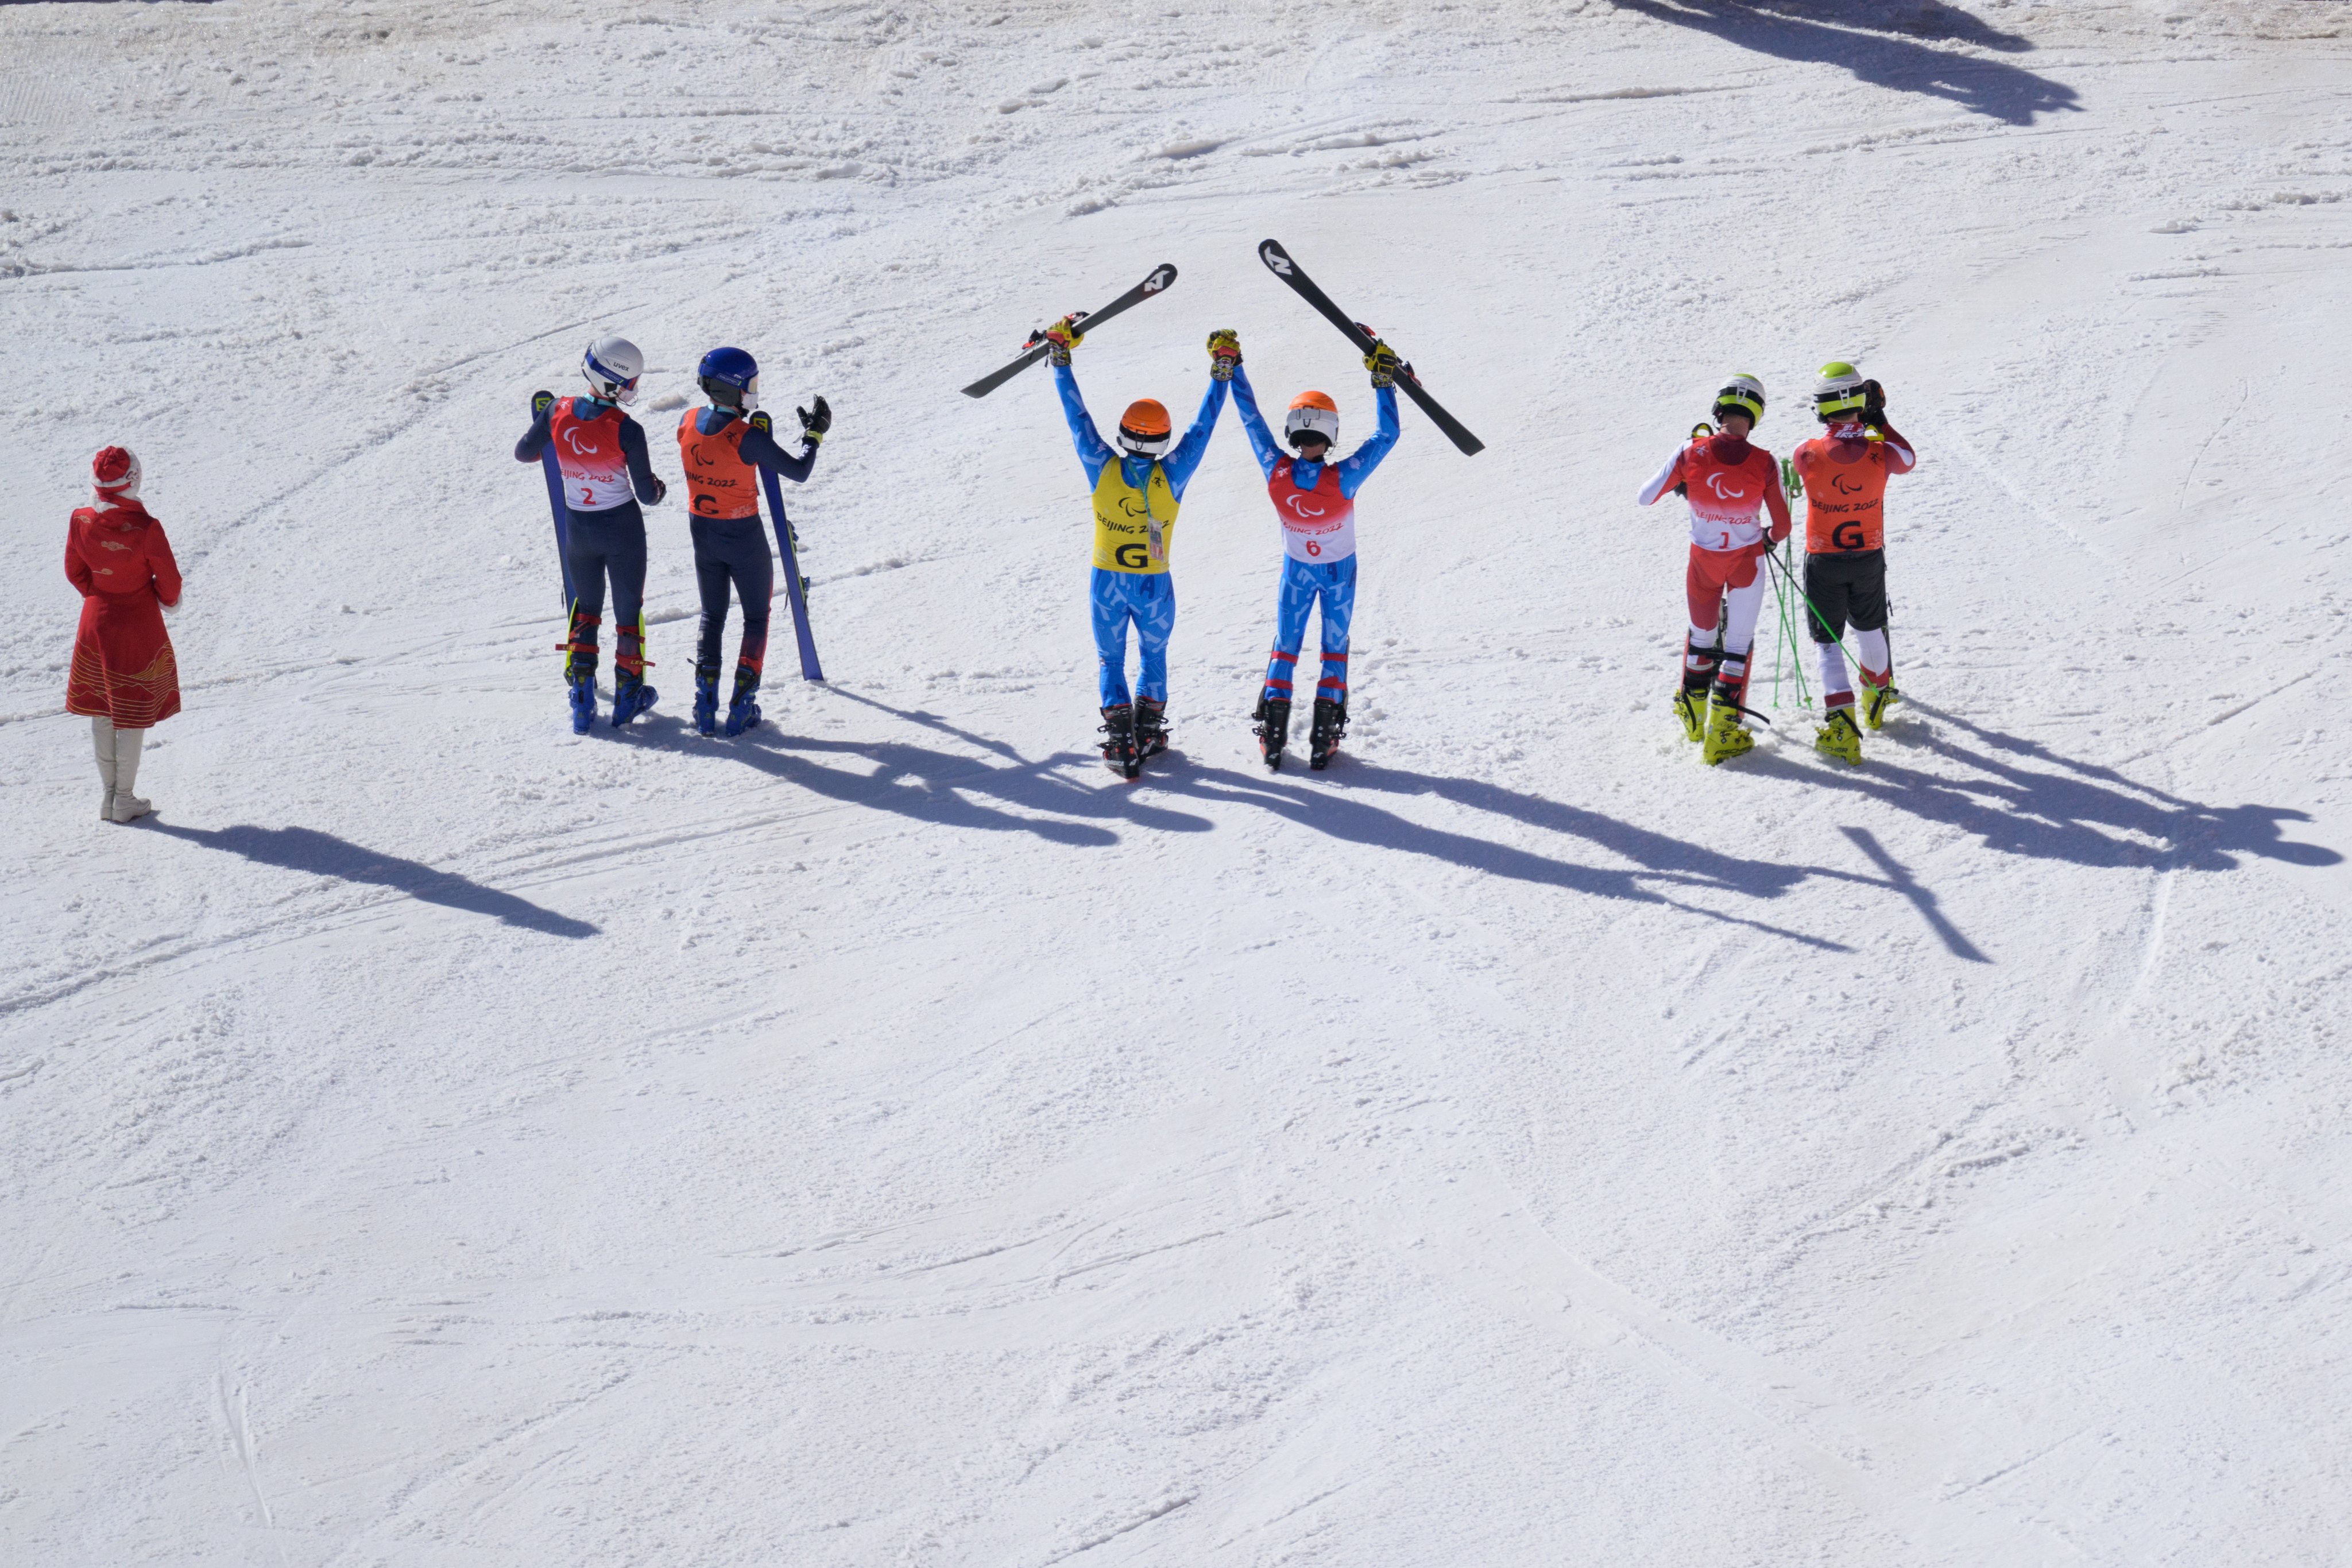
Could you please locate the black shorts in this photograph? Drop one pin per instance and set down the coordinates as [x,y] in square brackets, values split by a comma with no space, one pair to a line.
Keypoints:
[1850,586]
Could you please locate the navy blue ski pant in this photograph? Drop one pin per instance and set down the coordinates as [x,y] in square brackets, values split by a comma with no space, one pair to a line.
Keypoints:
[733,549]
[598,545]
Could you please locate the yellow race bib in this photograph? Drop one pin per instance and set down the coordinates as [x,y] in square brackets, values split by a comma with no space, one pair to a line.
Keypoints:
[1132,527]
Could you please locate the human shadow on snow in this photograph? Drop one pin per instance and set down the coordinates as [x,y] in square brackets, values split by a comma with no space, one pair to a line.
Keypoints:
[323,855]
[2080,813]
[1664,862]
[947,788]
[1923,899]
[1991,88]
[942,788]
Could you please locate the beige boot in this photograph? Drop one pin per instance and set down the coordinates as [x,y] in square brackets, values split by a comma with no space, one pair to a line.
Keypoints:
[128,806]
[101,735]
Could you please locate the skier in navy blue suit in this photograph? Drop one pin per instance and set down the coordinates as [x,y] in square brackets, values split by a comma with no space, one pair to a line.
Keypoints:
[606,473]
[723,453]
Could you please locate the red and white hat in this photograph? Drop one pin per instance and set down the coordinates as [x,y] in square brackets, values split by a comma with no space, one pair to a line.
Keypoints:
[115,473]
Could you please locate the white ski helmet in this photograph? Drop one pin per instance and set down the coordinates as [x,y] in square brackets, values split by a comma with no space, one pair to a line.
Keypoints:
[1742,393]
[1839,392]
[1312,414]
[612,366]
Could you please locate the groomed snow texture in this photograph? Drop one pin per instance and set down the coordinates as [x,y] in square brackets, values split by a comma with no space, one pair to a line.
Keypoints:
[438,1141]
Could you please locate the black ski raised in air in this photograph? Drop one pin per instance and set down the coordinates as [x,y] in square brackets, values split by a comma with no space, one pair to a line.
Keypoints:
[1278,261]
[1163,277]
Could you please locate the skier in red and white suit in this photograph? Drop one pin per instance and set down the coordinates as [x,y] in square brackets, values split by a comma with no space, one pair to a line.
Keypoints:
[1728,483]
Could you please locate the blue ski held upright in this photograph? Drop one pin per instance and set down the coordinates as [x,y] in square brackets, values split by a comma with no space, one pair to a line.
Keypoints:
[539,402]
[809,669]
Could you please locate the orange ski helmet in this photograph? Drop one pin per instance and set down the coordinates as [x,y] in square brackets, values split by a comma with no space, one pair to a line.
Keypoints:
[1143,429]
[1313,414]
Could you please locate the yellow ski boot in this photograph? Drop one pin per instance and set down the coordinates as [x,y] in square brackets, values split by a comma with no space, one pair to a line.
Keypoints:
[1876,701]
[1725,738]
[1690,707]
[1839,738]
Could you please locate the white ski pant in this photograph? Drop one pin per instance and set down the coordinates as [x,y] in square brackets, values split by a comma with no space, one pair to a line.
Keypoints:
[1728,584]
[1870,647]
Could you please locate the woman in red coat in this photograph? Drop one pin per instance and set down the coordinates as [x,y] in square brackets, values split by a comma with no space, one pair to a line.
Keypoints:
[124,678]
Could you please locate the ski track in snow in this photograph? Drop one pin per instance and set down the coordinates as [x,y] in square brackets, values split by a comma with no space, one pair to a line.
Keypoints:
[887,1138]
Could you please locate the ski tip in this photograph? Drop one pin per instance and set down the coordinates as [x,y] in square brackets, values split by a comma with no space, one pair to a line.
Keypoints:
[1162,278]
[1277,259]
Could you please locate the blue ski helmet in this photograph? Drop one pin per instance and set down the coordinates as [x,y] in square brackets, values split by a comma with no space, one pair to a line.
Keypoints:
[730,377]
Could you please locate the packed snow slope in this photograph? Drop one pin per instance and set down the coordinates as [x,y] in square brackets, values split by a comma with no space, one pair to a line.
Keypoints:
[435,1139]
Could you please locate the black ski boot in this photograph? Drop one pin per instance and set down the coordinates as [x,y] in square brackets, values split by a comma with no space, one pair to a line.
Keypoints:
[1273,718]
[1119,741]
[1330,724]
[1150,727]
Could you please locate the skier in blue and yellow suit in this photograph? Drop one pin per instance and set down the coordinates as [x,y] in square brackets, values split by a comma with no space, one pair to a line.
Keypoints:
[1135,503]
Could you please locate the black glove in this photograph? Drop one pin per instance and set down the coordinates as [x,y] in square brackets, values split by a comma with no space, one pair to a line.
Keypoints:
[816,421]
[661,490]
[1873,407]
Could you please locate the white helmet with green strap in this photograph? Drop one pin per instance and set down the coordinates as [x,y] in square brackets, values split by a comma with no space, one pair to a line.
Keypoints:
[1839,392]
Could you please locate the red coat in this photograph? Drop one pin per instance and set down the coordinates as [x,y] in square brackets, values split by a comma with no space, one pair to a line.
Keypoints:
[122,664]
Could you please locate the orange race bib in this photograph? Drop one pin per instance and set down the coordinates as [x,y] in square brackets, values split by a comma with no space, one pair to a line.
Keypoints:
[1845,494]
[722,483]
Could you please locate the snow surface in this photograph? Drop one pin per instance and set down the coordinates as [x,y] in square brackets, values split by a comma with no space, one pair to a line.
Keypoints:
[435,1139]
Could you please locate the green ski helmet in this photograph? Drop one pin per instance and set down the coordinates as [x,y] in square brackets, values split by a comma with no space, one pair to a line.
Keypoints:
[1741,394]
[1839,391]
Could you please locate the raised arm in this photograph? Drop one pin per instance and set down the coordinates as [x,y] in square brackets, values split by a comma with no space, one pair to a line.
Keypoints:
[760,448]
[1358,465]
[1900,457]
[1179,463]
[1093,452]
[1261,439]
